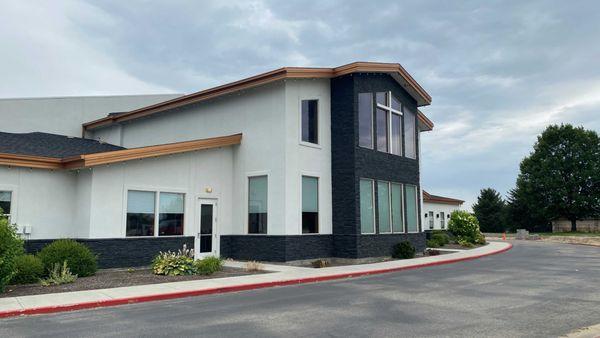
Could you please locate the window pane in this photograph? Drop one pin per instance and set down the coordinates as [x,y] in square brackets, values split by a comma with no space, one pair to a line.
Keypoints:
[367,225]
[5,199]
[365,120]
[381,98]
[411,208]
[383,203]
[396,104]
[442,220]
[257,205]
[396,134]
[397,221]
[310,205]
[140,202]
[170,220]
[310,122]
[382,130]
[140,213]
[410,146]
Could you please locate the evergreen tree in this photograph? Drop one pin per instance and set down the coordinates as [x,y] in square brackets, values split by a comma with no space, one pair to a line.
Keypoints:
[490,210]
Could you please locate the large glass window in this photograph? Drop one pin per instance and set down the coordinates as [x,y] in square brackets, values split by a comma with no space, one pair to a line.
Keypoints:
[257,204]
[410,134]
[396,134]
[397,207]
[365,120]
[367,212]
[310,121]
[382,130]
[310,205]
[383,207]
[170,219]
[5,202]
[412,224]
[140,213]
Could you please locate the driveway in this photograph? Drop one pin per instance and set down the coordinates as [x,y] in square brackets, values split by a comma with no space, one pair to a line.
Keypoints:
[534,290]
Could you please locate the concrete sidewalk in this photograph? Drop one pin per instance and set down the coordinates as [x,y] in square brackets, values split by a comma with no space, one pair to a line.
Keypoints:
[281,275]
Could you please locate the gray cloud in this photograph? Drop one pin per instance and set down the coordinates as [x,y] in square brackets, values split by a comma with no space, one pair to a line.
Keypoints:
[498,71]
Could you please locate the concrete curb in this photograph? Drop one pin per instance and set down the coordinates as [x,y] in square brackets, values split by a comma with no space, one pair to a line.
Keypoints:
[234,288]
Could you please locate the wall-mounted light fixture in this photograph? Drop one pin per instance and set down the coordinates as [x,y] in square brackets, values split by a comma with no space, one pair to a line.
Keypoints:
[425,215]
[208,190]
[448,216]
[437,216]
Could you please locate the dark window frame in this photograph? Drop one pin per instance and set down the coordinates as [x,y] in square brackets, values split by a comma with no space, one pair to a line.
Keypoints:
[312,136]
[306,215]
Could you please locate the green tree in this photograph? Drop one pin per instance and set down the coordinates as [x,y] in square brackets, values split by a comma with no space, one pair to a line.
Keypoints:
[490,210]
[561,177]
[524,212]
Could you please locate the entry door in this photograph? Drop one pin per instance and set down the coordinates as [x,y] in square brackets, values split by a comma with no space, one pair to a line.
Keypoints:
[207,243]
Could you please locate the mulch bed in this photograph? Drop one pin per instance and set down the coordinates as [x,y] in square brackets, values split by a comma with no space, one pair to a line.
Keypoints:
[459,247]
[114,278]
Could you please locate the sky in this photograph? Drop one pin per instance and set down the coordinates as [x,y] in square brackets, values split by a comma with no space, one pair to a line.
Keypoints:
[499,72]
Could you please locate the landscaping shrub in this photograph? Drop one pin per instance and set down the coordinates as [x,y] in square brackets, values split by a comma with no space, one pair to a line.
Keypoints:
[29,269]
[432,252]
[208,265]
[465,243]
[174,263]
[465,227]
[11,246]
[253,266]
[59,274]
[80,260]
[431,243]
[403,250]
[441,238]
[320,263]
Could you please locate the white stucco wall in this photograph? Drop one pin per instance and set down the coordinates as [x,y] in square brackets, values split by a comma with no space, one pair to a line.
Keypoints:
[65,115]
[307,159]
[447,209]
[257,113]
[188,173]
[43,199]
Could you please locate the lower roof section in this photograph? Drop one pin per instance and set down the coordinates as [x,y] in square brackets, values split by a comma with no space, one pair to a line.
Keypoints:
[428,198]
[87,160]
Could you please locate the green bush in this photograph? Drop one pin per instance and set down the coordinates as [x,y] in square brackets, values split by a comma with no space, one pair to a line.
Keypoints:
[80,260]
[465,243]
[403,250]
[29,269]
[174,263]
[208,265]
[11,247]
[465,227]
[441,238]
[431,243]
[59,274]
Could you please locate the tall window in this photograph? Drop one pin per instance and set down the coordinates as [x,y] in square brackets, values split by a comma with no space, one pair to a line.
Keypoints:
[412,224]
[310,205]
[383,207]
[410,134]
[382,130]
[431,220]
[367,212]
[257,204]
[442,220]
[5,201]
[310,121]
[365,120]
[140,213]
[397,208]
[170,219]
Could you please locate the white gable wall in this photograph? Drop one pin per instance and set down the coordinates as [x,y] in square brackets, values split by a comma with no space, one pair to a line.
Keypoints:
[257,113]
[447,209]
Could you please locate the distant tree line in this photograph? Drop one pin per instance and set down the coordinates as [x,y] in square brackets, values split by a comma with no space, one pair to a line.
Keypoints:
[559,179]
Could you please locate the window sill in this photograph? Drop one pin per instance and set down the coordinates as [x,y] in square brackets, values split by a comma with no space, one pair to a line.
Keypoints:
[310,145]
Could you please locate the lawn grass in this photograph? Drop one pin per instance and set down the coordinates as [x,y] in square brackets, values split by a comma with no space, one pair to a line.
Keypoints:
[574,234]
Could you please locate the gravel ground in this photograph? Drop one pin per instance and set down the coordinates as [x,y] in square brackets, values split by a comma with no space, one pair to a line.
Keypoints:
[114,278]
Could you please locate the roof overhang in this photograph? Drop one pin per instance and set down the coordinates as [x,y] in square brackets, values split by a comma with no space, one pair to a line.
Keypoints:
[425,124]
[428,198]
[394,69]
[109,157]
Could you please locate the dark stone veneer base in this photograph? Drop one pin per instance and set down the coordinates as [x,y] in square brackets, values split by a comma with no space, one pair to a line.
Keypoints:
[301,247]
[122,252]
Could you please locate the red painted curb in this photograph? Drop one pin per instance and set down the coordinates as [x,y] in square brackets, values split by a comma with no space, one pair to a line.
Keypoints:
[225,289]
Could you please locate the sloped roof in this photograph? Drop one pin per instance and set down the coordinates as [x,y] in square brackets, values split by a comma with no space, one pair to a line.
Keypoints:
[394,69]
[50,145]
[428,198]
[50,151]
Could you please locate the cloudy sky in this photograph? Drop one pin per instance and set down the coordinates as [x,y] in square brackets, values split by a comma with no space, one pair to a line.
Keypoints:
[498,71]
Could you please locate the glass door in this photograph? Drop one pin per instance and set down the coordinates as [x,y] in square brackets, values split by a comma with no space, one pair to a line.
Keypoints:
[206,241]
